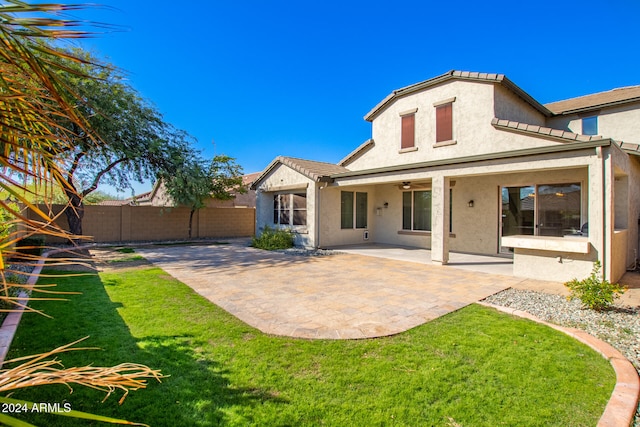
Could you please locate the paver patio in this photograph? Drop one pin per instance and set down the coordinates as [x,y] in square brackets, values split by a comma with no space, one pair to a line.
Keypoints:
[336,297]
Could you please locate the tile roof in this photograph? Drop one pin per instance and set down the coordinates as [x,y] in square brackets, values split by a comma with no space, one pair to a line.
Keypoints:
[128,201]
[456,75]
[114,202]
[249,178]
[542,131]
[312,169]
[628,147]
[317,171]
[594,101]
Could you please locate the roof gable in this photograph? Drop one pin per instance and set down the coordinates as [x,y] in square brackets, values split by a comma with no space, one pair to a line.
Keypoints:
[455,75]
[316,171]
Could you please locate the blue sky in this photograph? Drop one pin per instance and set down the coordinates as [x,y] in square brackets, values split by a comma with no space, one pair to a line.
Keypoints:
[261,79]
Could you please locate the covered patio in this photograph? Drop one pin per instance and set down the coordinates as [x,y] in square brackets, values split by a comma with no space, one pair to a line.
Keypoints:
[502,265]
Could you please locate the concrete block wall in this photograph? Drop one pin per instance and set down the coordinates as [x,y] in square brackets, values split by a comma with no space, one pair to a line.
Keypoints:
[150,223]
[221,222]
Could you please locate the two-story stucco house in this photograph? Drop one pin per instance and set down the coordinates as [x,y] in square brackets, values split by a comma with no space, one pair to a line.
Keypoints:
[470,162]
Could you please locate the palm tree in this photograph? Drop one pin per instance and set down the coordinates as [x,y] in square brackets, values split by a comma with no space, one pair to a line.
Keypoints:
[34,101]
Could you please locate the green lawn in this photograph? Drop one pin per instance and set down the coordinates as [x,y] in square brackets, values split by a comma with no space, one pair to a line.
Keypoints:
[474,367]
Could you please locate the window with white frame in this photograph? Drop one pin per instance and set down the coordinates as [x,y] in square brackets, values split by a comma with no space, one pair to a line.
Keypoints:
[353,210]
[290,209]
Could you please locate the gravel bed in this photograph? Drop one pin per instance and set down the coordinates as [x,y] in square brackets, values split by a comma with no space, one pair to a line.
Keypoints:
[20,268]
[619,326]
[308,252]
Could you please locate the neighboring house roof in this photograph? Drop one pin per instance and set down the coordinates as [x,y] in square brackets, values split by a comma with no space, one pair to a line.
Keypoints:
[363,148]
[130,200]
[456,75]
[596,101]
[317,171]
[248,179]
[159,191]
[114,202]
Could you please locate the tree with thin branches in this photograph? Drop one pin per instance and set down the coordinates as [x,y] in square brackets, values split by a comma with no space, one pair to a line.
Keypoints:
[130,140]
[199,180]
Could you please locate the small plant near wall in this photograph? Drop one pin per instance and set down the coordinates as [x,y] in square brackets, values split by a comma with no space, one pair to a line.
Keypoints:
[595,292]
[272,239]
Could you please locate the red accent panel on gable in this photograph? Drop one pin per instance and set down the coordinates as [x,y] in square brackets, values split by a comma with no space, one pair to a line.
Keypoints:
[407,139]
[444,123]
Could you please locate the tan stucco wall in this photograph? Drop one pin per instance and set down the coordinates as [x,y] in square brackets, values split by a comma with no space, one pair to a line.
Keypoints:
[619,123]
[474,229]
[551,265]
[510,106]
[624,190]
[283,179]
[619,248]
[330,232]
[473,110]
[633,247]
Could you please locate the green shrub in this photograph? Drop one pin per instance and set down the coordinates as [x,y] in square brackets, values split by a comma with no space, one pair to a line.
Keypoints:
[272,239]
[6,221]
[31,246]
[126,250]
[594,292]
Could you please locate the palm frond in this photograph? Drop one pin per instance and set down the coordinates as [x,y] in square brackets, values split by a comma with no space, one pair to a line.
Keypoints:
[39,370]
[39,123]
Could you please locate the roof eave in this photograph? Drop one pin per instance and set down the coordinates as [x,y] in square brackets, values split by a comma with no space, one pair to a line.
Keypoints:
[571,146]
[597,107]
[407,90]
[542,131]
[456,75]
[528,98]
[359,151]
[265,172]
[286,162]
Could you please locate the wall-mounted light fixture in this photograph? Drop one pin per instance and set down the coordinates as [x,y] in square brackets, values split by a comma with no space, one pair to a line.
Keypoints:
[406,185]
[386,205]
[470,204]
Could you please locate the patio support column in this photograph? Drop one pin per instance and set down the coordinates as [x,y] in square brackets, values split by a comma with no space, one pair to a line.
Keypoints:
[602,209]
[608,211]
[440,220]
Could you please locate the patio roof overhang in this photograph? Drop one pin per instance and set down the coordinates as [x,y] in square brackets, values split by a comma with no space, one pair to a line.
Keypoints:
[572,146]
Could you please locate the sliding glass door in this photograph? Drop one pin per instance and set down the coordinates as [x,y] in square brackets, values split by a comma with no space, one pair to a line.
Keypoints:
[517,212]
